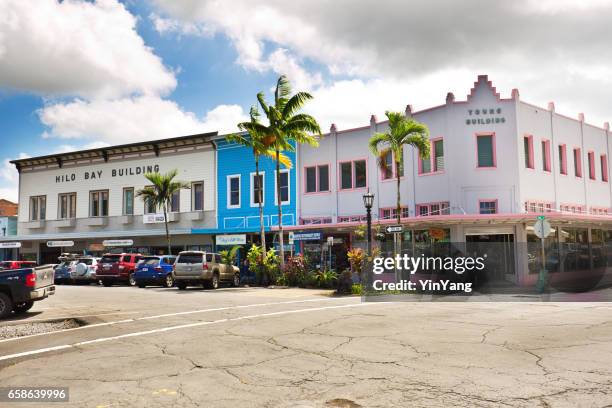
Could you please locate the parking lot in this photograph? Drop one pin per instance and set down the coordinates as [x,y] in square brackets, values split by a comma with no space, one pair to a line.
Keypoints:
[291,347]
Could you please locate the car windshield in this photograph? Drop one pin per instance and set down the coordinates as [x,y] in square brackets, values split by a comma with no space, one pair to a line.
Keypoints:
[191,258]
[150,261]
[111,258]
[86,261]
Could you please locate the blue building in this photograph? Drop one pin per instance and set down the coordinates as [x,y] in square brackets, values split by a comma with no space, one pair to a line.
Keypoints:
[237,206]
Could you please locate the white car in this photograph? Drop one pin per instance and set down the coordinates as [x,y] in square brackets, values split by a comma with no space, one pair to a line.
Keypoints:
[84,270]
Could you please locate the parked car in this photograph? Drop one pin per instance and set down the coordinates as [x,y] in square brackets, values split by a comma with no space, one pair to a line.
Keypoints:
[20,288]
[117,268]
[84,270]
[8,265]
[203,268]
[62,272]
[155,270]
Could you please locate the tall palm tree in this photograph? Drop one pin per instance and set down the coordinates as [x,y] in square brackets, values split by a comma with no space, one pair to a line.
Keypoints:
[159,194]
[402,132]
[254,140]
[286,125]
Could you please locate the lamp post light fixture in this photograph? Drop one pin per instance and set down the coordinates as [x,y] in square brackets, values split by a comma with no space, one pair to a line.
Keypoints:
[368,201]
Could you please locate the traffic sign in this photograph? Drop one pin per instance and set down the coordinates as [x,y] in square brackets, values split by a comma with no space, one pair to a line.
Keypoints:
[390,229]
[542,227]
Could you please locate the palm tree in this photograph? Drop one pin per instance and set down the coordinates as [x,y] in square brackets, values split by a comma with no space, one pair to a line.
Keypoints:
[402,132]
[255,140]
[286,125]
[159,194]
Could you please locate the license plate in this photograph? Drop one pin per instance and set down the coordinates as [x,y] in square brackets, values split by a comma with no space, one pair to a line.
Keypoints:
[107,267]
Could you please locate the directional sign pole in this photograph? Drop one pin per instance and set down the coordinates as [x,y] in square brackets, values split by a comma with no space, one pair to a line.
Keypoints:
[542,230]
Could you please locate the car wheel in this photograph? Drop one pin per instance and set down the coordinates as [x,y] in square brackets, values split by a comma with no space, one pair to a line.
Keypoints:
[169,281]
[6,305]
[214,282]
[131,279]
[181,285]
[107,283]
[23,307]
[236,280]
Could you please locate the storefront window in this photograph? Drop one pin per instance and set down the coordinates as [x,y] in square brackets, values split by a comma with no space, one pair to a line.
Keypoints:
[534,251]
[574,249]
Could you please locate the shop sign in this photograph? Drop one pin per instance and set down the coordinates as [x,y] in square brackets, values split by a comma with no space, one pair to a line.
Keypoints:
[96,247]
[60,244]
[485,116]
[236,239]
[118,242]
[10,244]
[115,172]
[307,236]
[153,218]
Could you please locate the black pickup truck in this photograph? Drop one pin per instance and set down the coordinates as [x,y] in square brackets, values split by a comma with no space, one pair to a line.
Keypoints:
[20,288]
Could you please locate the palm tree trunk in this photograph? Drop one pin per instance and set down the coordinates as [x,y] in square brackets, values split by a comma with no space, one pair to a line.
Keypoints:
[280,212]
[399,203]
[262,230]
[167,231]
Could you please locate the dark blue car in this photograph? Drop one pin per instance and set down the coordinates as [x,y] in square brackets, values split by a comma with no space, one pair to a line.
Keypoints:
[155,271]
[62,272]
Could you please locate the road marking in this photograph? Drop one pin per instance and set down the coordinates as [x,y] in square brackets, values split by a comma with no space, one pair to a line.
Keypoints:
[179,327]
[217,309]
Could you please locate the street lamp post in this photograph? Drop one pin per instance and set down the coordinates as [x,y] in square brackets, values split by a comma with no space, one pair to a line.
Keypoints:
[368,200]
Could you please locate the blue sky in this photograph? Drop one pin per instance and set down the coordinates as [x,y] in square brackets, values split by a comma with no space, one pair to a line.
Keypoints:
[77,74]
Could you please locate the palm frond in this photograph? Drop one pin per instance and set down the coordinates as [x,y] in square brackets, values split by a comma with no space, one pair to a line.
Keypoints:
[295,103]
[376,140]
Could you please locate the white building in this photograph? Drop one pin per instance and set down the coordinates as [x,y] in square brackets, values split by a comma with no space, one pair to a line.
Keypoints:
[89,196]
[495,165]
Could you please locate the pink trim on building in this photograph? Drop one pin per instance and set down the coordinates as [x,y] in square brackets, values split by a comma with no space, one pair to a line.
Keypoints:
[591,159]
[577,162]
[488,200]
[563,166]
[354,173]
[603,160]
[316,167]
[547,163]
[530,159]
[480,134]
[539,207]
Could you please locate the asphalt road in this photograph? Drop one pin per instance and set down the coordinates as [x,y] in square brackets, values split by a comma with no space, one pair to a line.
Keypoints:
[254,347]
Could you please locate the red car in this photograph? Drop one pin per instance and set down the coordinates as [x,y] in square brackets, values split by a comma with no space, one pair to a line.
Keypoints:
[117,268]
[9,265]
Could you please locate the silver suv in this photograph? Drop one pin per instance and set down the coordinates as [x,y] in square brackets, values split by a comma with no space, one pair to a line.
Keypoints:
[203,268]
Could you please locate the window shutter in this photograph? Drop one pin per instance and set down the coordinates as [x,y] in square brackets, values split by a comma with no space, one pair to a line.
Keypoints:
[485,151]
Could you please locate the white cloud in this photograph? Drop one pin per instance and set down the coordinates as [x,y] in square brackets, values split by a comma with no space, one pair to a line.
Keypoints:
[546,48]
[88,49]
[9,179]
[133,119]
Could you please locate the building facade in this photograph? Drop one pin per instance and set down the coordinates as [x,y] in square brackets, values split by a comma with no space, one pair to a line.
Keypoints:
[495,165]
[89,197]
[237,205]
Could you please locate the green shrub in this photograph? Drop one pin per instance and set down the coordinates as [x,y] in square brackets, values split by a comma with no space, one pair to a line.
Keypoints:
[294,271]
[356,289]
[326,278]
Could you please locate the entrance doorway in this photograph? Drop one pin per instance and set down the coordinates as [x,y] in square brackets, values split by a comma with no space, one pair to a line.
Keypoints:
[499,250]
[49,255]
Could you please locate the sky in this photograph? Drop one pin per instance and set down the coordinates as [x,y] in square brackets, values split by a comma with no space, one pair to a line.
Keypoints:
[81,74]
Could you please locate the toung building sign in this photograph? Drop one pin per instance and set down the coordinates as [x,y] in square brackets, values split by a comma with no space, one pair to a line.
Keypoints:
[484,116]
[98,174]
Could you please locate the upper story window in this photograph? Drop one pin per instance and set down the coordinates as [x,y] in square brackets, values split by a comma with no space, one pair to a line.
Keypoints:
[442,208]
[562,159]
[38,208]
[128,201]
[67,206]
[485,146]
[546,155]
[284,187]
[149,206]
[389,171]
[258,189]
[175,202]
[197,196]
[591,160]
[391,213]
[233,191]
[317,179]
[528,151]
[603,160]
[98,203]
[487,206]
[438,155]
[577,162]
[353,175]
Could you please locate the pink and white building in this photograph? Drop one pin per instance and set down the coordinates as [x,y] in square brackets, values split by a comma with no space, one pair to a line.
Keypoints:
[496,163]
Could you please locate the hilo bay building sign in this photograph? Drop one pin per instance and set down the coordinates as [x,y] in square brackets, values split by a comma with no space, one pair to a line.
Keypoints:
[99,174]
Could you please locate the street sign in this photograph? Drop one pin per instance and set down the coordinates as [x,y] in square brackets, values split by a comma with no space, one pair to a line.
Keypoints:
[307,236]
[291,238]
[59,244]
[542,227]
[391,229]
[118,242]
[10,244]
[541,217]
[330,240]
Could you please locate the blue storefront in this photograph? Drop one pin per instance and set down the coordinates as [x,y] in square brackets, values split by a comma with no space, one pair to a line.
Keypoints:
[237,207]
